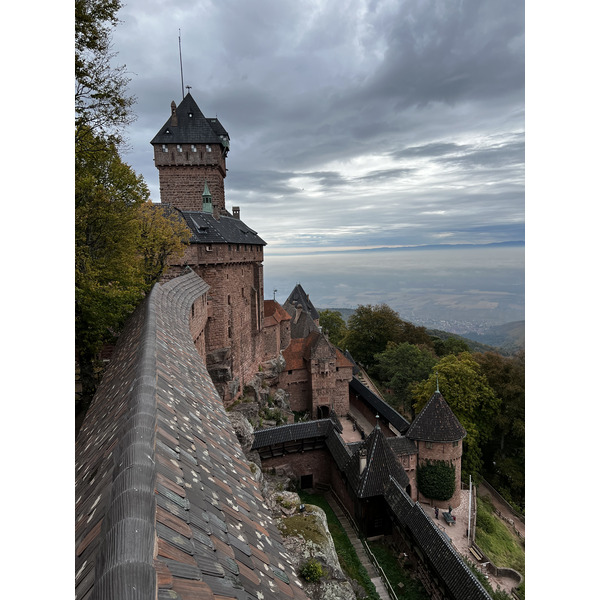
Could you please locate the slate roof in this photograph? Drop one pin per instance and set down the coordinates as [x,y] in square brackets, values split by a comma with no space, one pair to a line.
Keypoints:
[300,297]
[227,229]
[402,445]
[194,129]
[166,504]
[436,422]
[441,555]
[302,323]
[379,406]
[381,465]
[292,432]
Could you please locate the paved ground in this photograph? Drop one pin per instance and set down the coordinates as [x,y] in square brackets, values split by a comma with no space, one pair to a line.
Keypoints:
[458,534]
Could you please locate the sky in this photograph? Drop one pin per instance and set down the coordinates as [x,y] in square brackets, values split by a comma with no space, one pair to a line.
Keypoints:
[354,124]
[378,114]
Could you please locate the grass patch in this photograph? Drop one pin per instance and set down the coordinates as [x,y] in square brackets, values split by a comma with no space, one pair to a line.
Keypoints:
[304,525]
[497,540]
[411,589]
[349,561]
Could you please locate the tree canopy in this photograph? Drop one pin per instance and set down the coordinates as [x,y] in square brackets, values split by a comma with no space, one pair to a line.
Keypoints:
[333,325]
[102,102]
[400,367]
[469,395]
[370,328]
[504,452]
[122,241]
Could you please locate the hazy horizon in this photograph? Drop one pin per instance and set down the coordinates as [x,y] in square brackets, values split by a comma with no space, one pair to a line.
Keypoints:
[457,289]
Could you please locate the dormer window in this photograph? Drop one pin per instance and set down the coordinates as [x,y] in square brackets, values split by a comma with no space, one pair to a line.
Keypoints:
[190,114]
[167,131]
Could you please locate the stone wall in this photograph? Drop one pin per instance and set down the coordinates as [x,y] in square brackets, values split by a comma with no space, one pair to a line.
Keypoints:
[316,463]
[232,335]
[447,452]
[183,172]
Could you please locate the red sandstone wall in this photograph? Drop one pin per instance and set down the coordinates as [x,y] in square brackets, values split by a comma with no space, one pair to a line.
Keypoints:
[235,310]
[448,453]
[295,383]
[182,175]
[316,462]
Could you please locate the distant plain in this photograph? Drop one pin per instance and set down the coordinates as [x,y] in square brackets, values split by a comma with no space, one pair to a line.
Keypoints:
[457,289]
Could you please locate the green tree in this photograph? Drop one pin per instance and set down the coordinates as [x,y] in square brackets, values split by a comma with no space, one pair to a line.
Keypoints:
[333,324]
[163,233]
[451,345]
[400,367]
[102,103]
[436,479]
[504,453]
[121,249]
[467,392]
[370,328]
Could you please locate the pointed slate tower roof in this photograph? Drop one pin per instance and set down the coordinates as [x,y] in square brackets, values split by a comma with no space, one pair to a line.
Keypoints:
[300,297]
[436,422]
[187,125]
[381,464]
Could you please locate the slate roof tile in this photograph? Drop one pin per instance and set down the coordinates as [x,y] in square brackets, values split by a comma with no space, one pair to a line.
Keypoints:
[197,499]
[436,422]
[379,406]
[205,229]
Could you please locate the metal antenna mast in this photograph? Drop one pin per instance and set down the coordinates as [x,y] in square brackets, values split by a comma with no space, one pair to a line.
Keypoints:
[181,66]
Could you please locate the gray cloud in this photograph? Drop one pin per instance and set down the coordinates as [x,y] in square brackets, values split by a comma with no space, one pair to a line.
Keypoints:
[351,123]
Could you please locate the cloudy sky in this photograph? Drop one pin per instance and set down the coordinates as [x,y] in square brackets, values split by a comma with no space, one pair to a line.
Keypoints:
[353,124]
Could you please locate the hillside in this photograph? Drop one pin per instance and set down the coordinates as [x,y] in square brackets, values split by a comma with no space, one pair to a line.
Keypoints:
[508,337]
[474,346]
[505,339]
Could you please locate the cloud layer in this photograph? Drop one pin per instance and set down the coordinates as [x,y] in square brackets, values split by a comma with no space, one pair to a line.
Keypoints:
[352,124]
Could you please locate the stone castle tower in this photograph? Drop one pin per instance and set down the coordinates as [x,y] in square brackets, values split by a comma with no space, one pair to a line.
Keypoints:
[438,436]
[189,153]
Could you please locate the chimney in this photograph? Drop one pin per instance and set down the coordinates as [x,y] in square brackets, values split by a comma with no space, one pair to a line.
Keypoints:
[362,461]
[173,120]
[236,212]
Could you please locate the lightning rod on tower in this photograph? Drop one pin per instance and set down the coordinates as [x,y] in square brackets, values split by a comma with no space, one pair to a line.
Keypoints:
[181,66]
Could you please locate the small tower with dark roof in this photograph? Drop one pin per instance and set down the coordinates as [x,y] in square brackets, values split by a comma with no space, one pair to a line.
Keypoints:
[189,153]
[438,435]
[368,472]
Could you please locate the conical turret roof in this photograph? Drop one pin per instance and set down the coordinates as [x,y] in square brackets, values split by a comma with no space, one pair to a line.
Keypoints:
[436,422]
[381,464]
[187,125]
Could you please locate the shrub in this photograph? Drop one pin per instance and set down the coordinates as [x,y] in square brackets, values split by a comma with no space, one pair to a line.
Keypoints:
[312,570]
[436,480]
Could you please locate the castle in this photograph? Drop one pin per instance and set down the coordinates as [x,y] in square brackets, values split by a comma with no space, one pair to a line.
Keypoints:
[166,503]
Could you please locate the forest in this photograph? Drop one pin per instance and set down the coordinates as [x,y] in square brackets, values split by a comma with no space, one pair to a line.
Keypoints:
[485,390]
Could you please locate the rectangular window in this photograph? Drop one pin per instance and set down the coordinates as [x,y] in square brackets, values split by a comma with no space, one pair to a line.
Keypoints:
[428,445]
